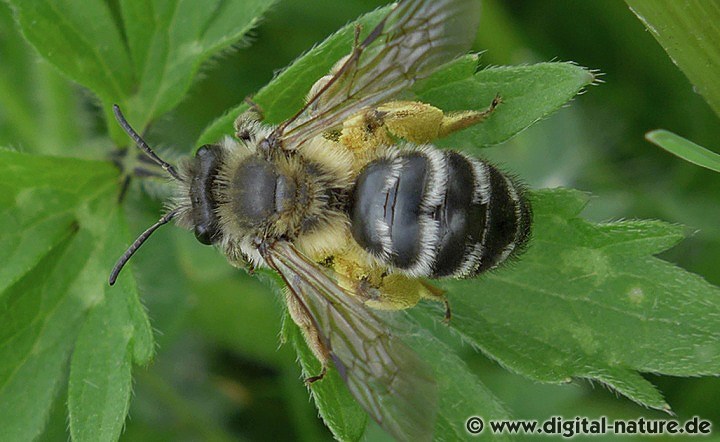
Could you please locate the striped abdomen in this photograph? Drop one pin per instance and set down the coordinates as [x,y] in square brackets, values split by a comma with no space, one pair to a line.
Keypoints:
[434,213]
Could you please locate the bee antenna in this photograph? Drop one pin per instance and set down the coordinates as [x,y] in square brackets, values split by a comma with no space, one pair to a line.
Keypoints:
[137,243]
[142,144]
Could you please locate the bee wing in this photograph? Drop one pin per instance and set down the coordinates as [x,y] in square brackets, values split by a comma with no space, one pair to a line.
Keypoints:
[414,39]
[384,375]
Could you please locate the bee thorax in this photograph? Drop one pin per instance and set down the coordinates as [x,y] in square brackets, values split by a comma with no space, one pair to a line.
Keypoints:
[284,197]
[259,192]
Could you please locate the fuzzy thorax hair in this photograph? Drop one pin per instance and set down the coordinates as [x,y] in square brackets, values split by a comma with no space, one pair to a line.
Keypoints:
[309,191]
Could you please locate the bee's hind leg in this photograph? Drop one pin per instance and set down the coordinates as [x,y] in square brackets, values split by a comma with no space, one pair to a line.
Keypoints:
[398,292]
[420,122]
[455,121]
[389,292]
[448,311]
[438,294]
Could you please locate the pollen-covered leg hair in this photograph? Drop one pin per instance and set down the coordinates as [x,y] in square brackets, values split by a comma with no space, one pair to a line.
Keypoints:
[413,121]
[456,121]
[395,291]
[419,122]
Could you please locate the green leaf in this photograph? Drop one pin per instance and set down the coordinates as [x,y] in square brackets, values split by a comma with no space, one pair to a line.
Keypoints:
[39,235]
[40,196]
[685,149]
[589,300]
[170,39]
[255,332]
[462,394]
[167,41]
[39,105]
[82,40]
[33,351]
[115,333]
[46,298]
[689,34]
[338,409]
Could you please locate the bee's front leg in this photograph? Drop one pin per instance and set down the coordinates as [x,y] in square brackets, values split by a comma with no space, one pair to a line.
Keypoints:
[237,257]
[246,123]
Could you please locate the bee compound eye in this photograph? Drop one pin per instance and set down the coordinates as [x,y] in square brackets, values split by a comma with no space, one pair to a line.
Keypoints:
[206,235]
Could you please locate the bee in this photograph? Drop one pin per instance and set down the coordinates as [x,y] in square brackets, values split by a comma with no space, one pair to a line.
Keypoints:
[349,203]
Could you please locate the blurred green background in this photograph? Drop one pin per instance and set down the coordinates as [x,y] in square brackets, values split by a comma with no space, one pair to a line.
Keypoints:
[219,374]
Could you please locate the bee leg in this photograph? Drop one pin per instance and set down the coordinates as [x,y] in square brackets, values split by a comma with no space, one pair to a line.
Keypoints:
[256,108]
[300,316]
[312,379]
[438,294]
[376,287]
[246,121]
[367,291]
[411,120]
[448,312]
[237,257]
[456,121]
[392,292]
